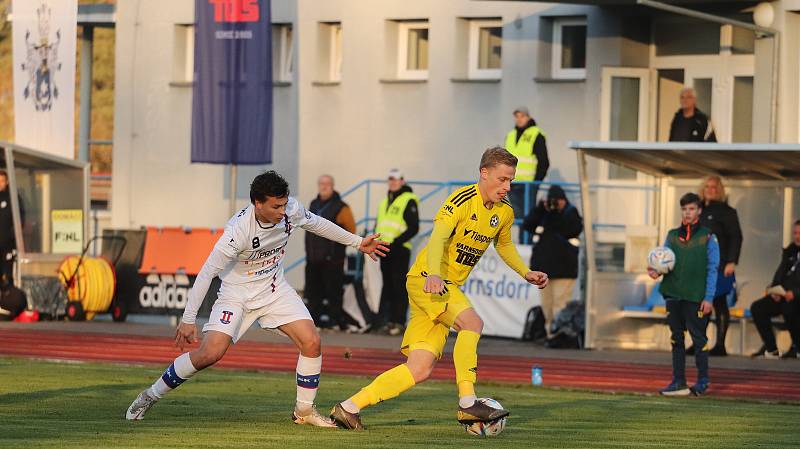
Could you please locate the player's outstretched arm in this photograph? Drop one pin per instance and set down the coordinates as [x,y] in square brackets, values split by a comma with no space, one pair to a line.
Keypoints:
[371,246]
[223,253]
[508,252]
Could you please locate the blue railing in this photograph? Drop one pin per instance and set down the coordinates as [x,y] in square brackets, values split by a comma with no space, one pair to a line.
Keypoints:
[367,221]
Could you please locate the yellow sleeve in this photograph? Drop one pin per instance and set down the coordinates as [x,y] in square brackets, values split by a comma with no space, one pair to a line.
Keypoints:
[443,224]
[508,251]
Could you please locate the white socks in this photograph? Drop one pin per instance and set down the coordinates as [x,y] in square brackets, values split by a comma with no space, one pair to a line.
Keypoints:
[467,401]
[308,370]
[177,373]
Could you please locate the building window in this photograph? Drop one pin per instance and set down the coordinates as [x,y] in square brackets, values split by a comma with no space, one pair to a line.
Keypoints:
[282,53]
[485,49]
[335,52]
[569,48]
[412,50]
[183,61]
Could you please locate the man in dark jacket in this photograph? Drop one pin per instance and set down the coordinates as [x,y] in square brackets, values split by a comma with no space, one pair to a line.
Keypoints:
[527,142]
[555,225]
[397,223]
[325,258]
[782,299]
[7,239]
[690,124]
[723,221]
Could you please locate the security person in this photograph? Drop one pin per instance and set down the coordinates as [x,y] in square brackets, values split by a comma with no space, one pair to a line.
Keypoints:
[398,223]
[527,142]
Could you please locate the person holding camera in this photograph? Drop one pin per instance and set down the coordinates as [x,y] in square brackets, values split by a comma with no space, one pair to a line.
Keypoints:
[555,225]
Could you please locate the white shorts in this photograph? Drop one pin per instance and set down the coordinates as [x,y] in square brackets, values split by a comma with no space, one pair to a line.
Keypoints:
[234,319]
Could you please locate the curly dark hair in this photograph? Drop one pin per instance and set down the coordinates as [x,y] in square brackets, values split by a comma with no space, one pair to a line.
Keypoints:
[267,184]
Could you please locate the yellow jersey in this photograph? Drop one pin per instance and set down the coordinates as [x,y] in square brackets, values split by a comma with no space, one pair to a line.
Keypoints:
[473,228]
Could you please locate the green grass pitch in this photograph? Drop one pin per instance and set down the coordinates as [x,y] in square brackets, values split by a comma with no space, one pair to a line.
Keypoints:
[81,405]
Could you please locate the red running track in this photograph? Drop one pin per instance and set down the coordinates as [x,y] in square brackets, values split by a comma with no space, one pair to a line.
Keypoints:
[586,375]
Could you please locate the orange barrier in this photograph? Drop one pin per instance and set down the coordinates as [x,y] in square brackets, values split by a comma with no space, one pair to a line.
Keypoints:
[174,250]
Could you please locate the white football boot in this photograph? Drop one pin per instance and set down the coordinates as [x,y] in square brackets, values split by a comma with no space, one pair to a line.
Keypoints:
[140,405]
[313,418]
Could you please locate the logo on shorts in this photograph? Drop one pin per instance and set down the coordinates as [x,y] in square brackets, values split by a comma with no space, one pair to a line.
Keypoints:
[226,317]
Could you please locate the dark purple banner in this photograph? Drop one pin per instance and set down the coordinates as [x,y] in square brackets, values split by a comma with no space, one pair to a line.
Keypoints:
[232,104]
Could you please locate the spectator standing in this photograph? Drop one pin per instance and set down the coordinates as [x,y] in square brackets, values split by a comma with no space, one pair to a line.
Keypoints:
[689,291]
[397,224]
[527,142]
[691,124]
[7,239]
[781,301]
[555,225]
[325,258]
[723,221]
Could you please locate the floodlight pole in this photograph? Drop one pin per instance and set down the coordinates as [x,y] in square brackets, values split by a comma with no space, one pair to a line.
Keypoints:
[233,182]
[85,111]
[588,232]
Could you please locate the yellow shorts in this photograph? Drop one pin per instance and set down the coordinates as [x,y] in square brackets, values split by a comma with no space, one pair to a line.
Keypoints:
[432,316]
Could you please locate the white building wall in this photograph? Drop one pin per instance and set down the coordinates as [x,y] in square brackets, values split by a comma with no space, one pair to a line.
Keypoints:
[154,182]
[435,130]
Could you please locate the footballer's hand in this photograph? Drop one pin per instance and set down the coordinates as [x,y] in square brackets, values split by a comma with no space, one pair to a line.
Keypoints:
[653,273]
[373,247]
[537,278]
[789,295]
[434,284]
[185,334]
[706,307]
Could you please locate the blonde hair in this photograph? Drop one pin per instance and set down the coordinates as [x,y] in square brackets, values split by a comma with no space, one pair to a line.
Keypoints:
[720,189]
[497,155]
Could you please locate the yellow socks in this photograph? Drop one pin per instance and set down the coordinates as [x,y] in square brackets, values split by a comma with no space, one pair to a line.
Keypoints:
[465,359]
[386,386]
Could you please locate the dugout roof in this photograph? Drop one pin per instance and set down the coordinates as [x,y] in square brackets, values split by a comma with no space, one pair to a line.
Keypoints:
[774,162]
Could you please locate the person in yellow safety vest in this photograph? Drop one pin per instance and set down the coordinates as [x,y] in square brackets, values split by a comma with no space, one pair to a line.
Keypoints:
[527,142]
[397,223]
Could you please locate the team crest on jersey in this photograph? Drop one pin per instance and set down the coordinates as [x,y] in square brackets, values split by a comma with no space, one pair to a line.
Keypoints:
[494,221]
[226,317]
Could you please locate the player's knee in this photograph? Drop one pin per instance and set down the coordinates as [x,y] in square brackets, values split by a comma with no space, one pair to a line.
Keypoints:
[311,346]
[205,357]
[474,324]
[420,372]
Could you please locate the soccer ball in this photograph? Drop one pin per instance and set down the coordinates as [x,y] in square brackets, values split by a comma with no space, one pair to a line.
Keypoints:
[487,429]
[661,259]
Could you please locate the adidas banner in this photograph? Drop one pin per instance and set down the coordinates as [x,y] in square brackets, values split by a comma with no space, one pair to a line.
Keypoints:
[232,102]
[44,34]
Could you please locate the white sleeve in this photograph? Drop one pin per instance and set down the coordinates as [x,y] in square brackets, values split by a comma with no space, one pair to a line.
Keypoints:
[329,230]
[225,250]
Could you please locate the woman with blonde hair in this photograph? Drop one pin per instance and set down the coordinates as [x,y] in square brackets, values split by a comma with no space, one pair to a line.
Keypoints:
[723,221]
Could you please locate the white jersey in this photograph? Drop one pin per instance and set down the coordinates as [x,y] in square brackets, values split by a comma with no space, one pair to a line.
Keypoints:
[249,256]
